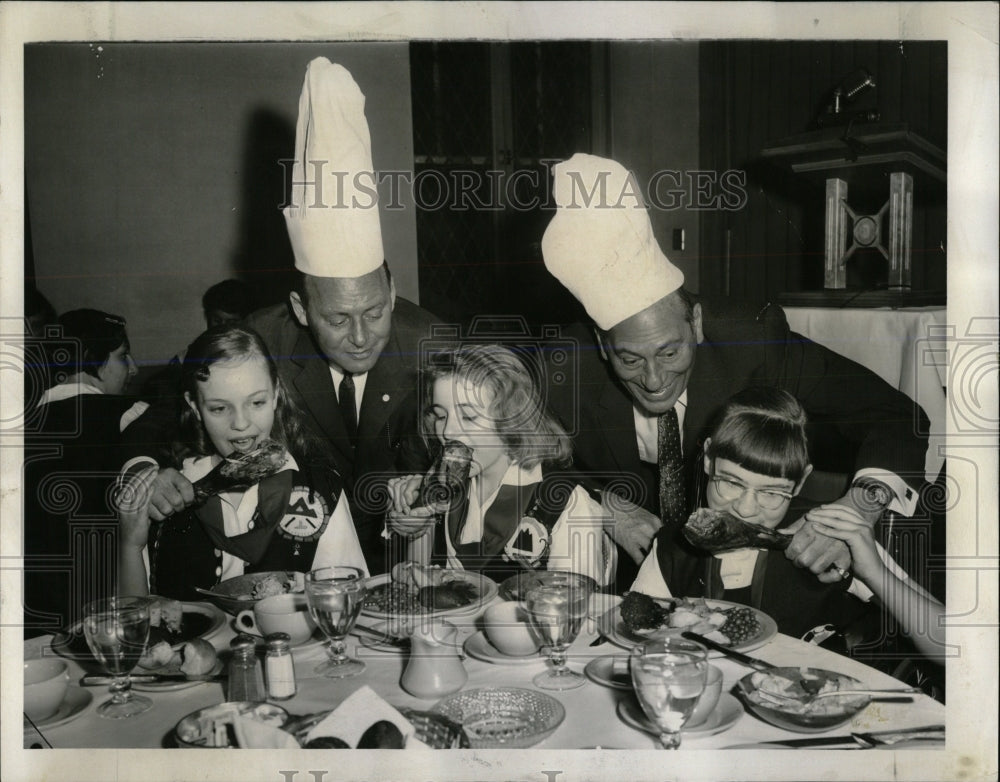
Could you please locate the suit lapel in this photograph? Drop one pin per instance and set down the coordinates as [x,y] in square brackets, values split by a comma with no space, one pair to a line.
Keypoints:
[384,389]
[315,387]
[619,417]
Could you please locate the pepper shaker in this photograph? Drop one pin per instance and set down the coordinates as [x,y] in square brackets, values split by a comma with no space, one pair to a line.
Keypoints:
[245,681]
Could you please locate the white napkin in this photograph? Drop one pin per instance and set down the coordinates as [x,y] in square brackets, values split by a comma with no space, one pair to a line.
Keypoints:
[358,712]
[251,734]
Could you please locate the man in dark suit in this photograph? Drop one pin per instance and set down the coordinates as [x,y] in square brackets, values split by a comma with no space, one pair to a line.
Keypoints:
[347,349]
[657,354]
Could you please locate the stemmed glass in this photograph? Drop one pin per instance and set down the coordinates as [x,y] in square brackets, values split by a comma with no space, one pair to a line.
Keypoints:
[557,608]
[336,595]
[117,630]
[668,675]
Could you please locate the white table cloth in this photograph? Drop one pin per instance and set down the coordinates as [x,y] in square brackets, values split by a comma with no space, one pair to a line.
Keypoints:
[591,716]
[908,348]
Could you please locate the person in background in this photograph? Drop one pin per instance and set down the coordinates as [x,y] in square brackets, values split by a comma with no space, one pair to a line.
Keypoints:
[228,301]
[347,348]
[296,519]
[755,462]
[656,365]
[71,457]
[518,513]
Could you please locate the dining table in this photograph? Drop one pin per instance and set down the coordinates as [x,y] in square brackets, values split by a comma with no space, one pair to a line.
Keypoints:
[593,712]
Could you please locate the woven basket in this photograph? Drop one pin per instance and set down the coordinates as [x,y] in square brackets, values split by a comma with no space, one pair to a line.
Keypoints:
[435,730]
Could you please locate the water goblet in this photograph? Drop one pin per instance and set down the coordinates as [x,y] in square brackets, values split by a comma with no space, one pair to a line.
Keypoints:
[117,630]
[557,609]
[668,675]
[335,596]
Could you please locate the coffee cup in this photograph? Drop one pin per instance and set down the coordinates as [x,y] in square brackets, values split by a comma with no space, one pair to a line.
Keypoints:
[709,698]
[45,683]
[279,614]
[509,629]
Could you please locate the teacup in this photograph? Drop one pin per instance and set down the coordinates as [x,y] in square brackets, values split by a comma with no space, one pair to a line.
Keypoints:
[279,614]
[709,698]
[45,683]
[509,629]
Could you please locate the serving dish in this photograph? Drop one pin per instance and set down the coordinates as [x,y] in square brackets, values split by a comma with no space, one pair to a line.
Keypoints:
[486,590]
[784,698]
[503,717]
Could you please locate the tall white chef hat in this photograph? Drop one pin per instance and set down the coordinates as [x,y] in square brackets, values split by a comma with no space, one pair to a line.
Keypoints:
[333,219]
[600,243]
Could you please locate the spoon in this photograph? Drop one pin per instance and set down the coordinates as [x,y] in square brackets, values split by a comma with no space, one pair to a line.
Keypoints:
[812,696]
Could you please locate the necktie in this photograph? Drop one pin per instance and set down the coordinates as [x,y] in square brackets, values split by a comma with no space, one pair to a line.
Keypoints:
[348,408]
[671,465]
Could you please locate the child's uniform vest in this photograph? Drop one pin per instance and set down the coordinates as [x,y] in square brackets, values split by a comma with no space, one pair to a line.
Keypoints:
[293,511]
[794,597]
[517,529]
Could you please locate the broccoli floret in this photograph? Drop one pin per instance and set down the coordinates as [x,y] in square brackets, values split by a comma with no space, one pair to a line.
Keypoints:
[639,612]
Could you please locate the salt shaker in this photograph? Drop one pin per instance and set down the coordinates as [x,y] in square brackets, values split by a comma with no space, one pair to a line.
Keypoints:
[245,681]
[279,667]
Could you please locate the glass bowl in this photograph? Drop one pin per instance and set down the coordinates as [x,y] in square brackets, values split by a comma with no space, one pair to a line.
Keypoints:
[778,696]
[503,717]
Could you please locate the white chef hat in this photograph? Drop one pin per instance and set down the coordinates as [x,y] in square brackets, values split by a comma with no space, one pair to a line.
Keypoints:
[600,243]
[335,229]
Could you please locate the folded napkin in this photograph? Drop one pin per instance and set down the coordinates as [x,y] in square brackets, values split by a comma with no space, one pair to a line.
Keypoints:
[251,734]
[358,712]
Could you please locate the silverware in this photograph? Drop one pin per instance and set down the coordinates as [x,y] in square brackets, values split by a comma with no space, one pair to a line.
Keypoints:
[151,678]
[809,698]
[855,740]
[753,662]
[601,639]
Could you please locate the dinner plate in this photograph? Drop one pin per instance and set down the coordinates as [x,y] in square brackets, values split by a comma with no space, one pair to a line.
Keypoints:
[171,686]
[610,625]
[478,645]
[486,587]
[199,620]
[75,702]
[723,717]
[601,671]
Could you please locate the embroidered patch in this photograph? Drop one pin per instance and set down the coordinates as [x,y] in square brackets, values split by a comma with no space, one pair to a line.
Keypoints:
[305,517]
[530,542]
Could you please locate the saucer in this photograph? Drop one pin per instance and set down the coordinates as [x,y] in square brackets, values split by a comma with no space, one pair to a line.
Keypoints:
[601,670]
[172,686]
[315,639]
[478,646]
[725,715]
[74,704]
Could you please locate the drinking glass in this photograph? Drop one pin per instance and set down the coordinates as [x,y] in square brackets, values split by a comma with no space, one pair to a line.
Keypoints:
[117,630]
[668,675]
[557,608]
[336,595]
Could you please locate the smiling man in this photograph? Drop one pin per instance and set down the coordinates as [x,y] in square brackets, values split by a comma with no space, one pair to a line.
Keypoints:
[346,347]
[657,364]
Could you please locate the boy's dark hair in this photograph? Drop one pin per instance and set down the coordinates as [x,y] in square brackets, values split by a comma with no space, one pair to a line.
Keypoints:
[762,429]
[232,296]
[99,333]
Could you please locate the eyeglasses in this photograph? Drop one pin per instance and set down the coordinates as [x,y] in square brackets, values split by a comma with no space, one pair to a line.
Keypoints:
[731,490]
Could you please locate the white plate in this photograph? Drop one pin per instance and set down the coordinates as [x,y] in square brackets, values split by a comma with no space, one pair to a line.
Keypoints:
[727,711]
[73,645]
[478,645]
[171,686]
[74,704]
[611,627]
[486,586]
[601,671]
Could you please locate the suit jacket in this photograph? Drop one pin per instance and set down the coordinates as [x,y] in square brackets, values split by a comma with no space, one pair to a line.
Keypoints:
[388,435]
[856,419]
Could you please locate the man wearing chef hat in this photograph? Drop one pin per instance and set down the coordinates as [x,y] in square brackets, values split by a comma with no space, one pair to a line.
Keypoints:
[348,350]
[674,361]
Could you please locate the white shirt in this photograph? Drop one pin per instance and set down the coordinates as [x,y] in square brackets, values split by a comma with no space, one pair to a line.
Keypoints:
[359,387]
[646,428]
[338,544]
[80,388]
[578,541]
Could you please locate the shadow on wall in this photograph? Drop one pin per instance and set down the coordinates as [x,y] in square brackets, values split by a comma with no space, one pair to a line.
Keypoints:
[263,256]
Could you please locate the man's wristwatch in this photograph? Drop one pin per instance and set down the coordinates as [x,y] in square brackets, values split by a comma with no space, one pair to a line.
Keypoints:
[871,495]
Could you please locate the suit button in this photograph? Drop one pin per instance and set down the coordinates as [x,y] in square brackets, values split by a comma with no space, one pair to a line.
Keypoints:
[218,571]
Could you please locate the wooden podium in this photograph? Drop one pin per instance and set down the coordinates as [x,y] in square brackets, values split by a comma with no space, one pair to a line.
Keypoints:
[861,156]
